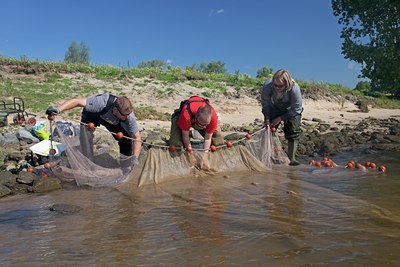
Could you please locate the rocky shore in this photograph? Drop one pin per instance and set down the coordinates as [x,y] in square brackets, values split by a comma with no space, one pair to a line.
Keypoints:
[318,138]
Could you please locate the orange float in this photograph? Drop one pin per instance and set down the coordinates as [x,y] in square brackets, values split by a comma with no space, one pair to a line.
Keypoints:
[328,164]
[172,148]
[372,165]
[318,164]
[189,149]
[273,129]
[311,162]
[367,164]
[119,135]
[90,125]
[29,170]
[213,148]
[52,151]
[248,136]
[47,165]
[229,144]
[382,168]
[350,165]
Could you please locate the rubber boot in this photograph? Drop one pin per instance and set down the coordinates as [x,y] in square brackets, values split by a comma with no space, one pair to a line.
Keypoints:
[292,152]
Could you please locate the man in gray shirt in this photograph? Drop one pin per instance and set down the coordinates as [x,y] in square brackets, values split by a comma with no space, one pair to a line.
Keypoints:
[281,101]
[114,113]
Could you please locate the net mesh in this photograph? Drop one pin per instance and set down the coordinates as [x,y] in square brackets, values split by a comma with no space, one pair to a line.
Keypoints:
[104,166]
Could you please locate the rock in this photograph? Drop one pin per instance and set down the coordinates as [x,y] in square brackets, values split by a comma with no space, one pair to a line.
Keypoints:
[4,190]
[46,184]
[316,120]
[27,178]
[65,208]
[10,138]
[7,179]
[394,129]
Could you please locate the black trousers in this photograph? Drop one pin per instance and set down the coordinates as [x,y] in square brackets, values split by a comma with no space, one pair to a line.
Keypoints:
[125,144]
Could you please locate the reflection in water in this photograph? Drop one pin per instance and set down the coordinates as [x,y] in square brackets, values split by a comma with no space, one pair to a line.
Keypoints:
[288,216]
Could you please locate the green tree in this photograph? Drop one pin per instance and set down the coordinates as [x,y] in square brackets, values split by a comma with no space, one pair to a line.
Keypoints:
[155,63]
[72,55]
[77,54]
[264,72]
[83,57]
[216,67]
[364,87]
[371,34]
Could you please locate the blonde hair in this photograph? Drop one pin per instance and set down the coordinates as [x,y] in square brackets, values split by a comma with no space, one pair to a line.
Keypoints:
[283,76]
[203,114]
[123,104]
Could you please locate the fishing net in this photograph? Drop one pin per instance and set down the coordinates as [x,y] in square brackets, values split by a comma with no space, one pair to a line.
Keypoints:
[94,159]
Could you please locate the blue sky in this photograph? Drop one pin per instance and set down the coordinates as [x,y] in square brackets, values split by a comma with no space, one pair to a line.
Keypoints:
[301,36]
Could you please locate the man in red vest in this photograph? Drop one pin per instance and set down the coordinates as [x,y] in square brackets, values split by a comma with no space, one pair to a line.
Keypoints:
[197,113]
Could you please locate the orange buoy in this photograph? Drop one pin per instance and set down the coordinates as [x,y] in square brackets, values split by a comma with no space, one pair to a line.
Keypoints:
[352,162]
[47,165]
[29,169]
[372,165]
[90,125]
[328,164]
[172,148]
[213,148]
[189,149]
[311,162]
[350,165]
[229,144]
[358,165]
[248,136]
[382,168]
[52,151]
[119,135]
[318,164]
[367,164]
[273,129]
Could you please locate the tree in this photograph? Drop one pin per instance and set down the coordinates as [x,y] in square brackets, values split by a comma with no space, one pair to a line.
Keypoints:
[264,72]
[364,87]
[155,63]
[83,54]
[371,35]
[212,67]
[216,67]
[77,54]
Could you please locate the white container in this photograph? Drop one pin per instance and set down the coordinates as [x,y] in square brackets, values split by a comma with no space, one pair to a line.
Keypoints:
[43,148]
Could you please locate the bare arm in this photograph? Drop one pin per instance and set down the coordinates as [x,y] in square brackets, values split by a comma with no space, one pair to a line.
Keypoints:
[207,141]
[137,145]
[186,139]
[72,103]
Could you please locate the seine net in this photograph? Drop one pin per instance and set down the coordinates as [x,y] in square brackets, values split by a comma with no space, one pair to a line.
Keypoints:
[94,160]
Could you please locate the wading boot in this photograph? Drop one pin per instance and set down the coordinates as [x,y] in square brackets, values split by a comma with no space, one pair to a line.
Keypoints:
[292,152]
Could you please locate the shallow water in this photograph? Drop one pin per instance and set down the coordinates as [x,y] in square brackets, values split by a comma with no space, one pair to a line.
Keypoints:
[289,216]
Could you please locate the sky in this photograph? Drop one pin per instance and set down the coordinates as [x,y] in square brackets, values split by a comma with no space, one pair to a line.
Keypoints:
[302,36]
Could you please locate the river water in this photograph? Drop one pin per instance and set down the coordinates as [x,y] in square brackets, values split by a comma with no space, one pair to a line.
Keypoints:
[289,216]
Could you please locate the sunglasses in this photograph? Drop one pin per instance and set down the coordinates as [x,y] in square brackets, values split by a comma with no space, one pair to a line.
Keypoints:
[279,85]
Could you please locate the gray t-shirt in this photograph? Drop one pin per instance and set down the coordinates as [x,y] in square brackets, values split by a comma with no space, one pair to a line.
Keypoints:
[97,103]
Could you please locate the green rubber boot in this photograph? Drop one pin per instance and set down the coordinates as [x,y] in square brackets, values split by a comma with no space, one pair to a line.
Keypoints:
[292,152]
